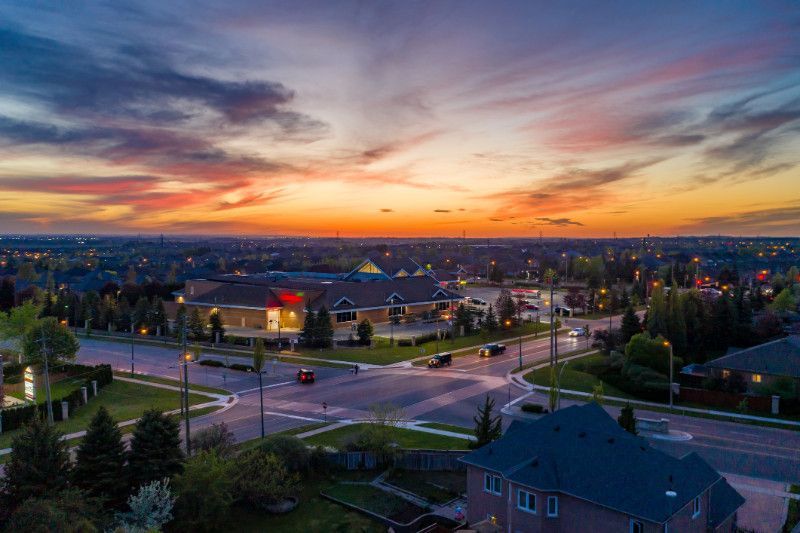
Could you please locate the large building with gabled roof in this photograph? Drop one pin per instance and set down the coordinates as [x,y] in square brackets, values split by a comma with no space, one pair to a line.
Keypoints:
[377,289]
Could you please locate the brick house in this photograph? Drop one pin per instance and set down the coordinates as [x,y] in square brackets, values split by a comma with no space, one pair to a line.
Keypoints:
[762,365]
[578,470]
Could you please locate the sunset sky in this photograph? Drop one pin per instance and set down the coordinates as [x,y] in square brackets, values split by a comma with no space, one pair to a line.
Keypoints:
[400,118]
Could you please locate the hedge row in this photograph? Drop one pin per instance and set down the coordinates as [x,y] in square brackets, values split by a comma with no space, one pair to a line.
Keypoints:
[219,364]
[16,417]
[428,337]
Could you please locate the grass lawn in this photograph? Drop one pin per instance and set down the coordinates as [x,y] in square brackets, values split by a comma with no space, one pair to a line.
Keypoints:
[405,438]
[793,513]
[574,377]
[383,354]
[447,427]
[173,382]
[253,443]
[124,401]
[375,500]
[436,487]
[314,514]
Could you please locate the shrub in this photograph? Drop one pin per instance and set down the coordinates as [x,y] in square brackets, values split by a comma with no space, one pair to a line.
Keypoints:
[210,362]
[533,408]
[204,492]
[217,438]
[291,450]
[261,478]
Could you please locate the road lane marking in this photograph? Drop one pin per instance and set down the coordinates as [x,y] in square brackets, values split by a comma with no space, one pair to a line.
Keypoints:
[241,392]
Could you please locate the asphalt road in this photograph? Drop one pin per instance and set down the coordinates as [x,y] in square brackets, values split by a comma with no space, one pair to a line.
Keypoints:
[449,395]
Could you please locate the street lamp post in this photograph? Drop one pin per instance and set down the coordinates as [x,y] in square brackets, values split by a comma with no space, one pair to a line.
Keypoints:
[520,350]
[558,385]
[133,343]
[186,359]
[669,345]
[391,321]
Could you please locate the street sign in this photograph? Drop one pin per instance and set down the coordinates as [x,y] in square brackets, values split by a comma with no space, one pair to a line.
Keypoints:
[325,410]
[30,385]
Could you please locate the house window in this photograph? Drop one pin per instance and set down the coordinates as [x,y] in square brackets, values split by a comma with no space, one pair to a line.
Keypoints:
[636,527]
[696,507]
[756,378]
[492,484]
[442,306]
[726,374]
[397,311]
[552,506]
[526,501]
[347,316]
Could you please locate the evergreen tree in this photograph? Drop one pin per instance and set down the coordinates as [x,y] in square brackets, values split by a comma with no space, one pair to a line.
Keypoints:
[140,313]
[506,308]
[488,428]
[215,320]
[180,313]
[722,323]
[195,325]
[155,449]
[676,323]
[309,334]
[624,299]
[630,325]
[324,328]
[7,293]
[490,320]
[100,460]
[463,318]
[627,419]
[122,318]
[39,464]
[67,511]
[365,332]
[157,317]
[657,314]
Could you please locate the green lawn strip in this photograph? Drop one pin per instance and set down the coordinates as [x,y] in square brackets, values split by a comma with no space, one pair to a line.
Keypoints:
[383,354]
[314,514]
[123,400]
[793,512]
[174,382]
[405,438]
[373,499]
[576,380]
[446,427]
[678,411]
[436,487]
[253,443]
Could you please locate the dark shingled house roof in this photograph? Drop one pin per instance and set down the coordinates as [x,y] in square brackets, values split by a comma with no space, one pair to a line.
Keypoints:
[581,451]
[778,358]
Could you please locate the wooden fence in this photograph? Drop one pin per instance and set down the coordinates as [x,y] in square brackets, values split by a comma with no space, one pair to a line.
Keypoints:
[717,398]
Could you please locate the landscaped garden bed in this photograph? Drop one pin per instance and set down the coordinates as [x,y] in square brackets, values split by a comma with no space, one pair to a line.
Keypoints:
[437,487]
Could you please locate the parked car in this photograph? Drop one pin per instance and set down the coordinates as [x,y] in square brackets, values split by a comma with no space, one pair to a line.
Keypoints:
[490,350]
[305,376]
[441,359]
[531,307]
[475,301]
[577,332]
[562,311]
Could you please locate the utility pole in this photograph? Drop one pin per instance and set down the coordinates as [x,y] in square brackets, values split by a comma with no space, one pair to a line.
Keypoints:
[133,341]
[186,358]
[520,350]
[47,379]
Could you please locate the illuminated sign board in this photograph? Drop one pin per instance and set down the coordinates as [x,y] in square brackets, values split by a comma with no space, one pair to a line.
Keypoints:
[30,385]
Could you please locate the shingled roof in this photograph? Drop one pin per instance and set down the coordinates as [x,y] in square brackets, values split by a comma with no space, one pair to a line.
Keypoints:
[779,358]
[581,451]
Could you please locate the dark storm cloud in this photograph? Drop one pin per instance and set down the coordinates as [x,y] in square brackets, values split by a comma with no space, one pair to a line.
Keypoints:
[544,221]
[134,82]
[442,210]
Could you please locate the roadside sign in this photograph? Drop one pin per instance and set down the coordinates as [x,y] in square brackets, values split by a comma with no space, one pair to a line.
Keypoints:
[30,385]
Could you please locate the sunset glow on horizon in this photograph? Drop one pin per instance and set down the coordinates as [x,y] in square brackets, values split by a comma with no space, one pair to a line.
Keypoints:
[401,119]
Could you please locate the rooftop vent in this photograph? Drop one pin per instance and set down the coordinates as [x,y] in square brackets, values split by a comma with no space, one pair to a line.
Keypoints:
[582,434]
[556,428]
[535,462]
[611,440]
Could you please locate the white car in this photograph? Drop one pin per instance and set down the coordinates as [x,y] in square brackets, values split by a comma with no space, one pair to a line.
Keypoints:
[577,332]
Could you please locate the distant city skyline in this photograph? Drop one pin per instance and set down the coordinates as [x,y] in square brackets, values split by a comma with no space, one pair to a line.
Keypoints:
[401,119]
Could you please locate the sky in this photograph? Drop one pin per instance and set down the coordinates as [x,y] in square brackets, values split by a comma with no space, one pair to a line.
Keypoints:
[403,118]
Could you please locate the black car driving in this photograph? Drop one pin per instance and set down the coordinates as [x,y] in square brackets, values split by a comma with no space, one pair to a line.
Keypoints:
[440,359]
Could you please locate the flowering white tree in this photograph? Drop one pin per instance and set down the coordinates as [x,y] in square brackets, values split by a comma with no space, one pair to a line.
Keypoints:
[151,508]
